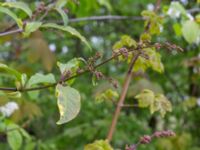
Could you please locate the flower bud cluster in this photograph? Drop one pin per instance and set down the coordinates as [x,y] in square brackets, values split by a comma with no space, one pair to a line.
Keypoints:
[146,139]
[99,75]
[124,52]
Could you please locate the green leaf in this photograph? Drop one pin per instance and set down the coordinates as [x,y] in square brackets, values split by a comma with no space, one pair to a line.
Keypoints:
[31,27]
[63,15]
[145,98]
[177,29]
[99,145]
[107,95]
[13,16]
[177,7]
[23,79]
[13,94]
[153,21]
[161,104]
[39,78]
[153,61]
[105,3]
[20,5]
[60,3]
[5,68]
[67,29]
[191,31]
[71,65]
[190,102]
[125,41]
[25,134]
[69,103]
[14,138]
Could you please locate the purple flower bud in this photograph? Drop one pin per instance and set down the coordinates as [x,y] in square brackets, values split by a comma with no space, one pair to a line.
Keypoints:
[131,147]
[146,139]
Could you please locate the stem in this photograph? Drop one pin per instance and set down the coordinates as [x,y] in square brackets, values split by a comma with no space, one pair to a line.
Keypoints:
[122,97]
[129,105]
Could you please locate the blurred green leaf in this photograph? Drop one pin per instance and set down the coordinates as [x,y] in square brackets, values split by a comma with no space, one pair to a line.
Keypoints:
[20,5]
[31,27]
[67,29]
[191,31]
[13,94]
[14,138]
[71,65]
[177,29]
[107,95]
[60,3]
[39,78]
[125,41]
[161,104]
[5,68]
[99,145]
[145,98]
[155,102]
[13,16]
[63,15]
[105,3]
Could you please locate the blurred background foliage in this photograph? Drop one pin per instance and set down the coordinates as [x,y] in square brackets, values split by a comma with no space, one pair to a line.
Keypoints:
[38,111]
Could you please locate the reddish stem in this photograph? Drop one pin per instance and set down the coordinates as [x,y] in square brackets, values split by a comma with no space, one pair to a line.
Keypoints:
[122,97]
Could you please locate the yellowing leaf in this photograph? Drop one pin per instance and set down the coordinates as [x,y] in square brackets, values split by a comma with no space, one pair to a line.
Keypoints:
[153,22]
[161,104]
[153,61]
[145,98]
[125,41]
[99,145]
[69,103]
[155,103]
[108,95]
[190,102]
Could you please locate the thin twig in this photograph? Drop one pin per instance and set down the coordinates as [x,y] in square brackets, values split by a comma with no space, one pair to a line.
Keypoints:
[74,20]
[11,32]
[103,18]
[174,85]
[129,105]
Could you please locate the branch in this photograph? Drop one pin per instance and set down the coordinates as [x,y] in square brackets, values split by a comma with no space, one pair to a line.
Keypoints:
[69,78]
[103,18]
[74,20]
[122,97]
